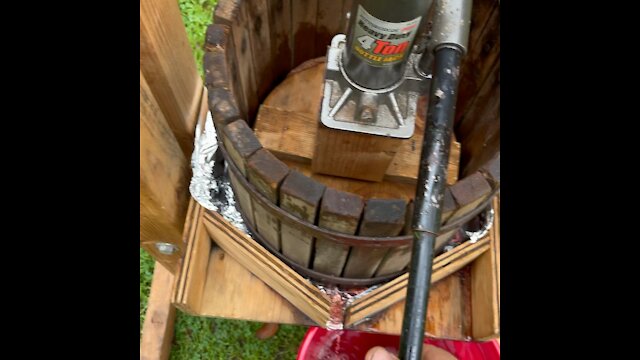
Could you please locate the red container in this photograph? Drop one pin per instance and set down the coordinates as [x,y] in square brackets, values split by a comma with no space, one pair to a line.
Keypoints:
[322,344]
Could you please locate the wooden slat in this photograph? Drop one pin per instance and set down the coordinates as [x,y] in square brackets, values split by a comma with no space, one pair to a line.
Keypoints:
[303,28]
[222,67]
[260,36]
[168,65]
[157,331]
[234,14]
[266,173]
[469,193]
[300,196]
[287,125]
[240,143]
[329,22]
[340,211]
[281,37]
[382,217]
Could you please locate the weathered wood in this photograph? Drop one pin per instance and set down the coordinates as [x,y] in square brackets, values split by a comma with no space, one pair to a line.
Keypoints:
[234,15]
[219,41]
[288,119]
[243,198]
[260,36]
[169,68]
[311,301]
[281,38]
[469,193]
[395,260]
[300,196]
[449,205]
[157,331]
[353,155]
[329,20]
[303,27]
[240,143]
[340,211]
[224,109]
[382,217]
[266,173]
[492,168]
[164,174]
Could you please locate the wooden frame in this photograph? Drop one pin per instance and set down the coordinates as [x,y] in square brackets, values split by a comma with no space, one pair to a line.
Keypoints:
[204,287]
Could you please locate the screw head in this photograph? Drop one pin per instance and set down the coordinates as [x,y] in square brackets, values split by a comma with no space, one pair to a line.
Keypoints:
[166,248]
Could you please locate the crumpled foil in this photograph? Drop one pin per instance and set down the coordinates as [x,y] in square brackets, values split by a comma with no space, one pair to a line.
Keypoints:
[210,185]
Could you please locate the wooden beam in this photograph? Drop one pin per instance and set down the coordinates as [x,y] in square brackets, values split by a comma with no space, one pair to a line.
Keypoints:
[157,331]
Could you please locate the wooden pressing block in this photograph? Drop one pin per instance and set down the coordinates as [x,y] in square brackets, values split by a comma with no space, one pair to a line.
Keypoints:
[382,217]
[300,196]
[266,173]
[353,155]
[469,193]
[340,211]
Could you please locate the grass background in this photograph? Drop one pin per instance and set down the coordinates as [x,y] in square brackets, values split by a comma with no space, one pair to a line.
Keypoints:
[205,338]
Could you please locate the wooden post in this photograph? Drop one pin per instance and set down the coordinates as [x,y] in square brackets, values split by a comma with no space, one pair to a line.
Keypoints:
[340,211]
[168,65]
[266,173]
[299,195]
[157,331]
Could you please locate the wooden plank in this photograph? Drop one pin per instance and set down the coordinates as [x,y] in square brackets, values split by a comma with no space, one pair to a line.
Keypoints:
[243,198]
[157,331]
[168,65]
[483,295]
[300,196]
[287,126]
[329,22]
[266,173]
[340,211]
[189,238]
[240,143]
[382,217]
[260,39]
[227,279]
[233,13]
[219,42]
[303,28]
[224,109]
[484,49]
[269,269]
[281,38]
[469,193]
[196,271]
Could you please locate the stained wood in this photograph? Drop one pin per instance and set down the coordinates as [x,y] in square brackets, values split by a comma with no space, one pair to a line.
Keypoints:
[288,119]
[300,196]
[281,38]
[329,20]
[243,198]
[218,40]
[234,14]
[224,109]
[168,65]
[240,143]
[340,211]
[157,331]
[303,27]
[266,173]
[260,36]
[469,193]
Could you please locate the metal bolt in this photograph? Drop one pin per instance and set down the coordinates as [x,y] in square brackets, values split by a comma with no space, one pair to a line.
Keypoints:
[166,248]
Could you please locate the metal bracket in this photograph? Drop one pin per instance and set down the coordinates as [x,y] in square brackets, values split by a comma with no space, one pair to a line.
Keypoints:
[348,106]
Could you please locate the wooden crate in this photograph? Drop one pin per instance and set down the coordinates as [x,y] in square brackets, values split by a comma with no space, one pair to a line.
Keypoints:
[227,274]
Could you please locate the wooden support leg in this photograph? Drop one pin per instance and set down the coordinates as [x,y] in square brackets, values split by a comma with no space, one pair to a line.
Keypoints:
[157,331]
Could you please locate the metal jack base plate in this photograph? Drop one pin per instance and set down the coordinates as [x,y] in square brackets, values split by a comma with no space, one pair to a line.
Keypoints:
[348,106]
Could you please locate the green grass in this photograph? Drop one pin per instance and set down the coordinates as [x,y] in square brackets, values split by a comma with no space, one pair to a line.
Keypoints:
[205,338]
